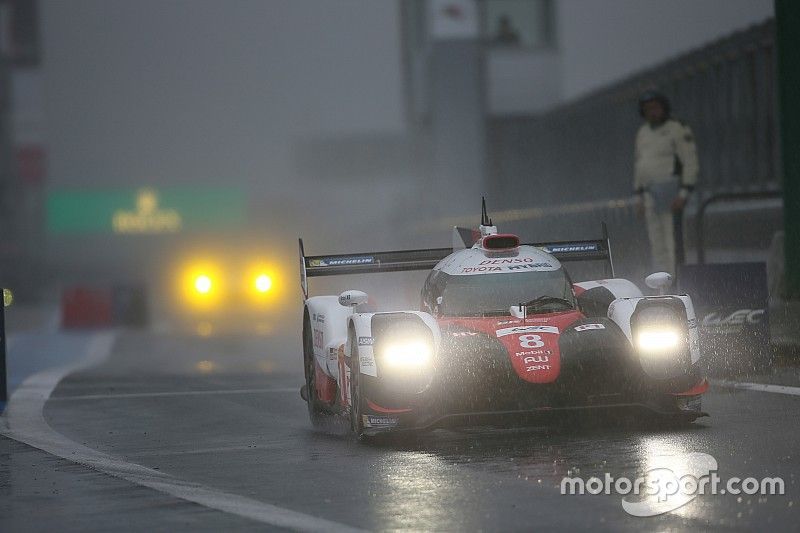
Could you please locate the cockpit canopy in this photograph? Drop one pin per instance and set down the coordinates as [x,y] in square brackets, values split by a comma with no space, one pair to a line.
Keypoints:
[474,283]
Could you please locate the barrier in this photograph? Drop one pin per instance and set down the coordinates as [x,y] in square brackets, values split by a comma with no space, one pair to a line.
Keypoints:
[724,197]
[730,302]
[98,307]
[84,307]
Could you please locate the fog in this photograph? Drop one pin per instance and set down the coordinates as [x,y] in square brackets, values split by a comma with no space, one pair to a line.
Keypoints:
[318,111]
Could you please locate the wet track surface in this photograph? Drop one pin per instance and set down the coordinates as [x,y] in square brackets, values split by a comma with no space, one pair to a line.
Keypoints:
[224,413]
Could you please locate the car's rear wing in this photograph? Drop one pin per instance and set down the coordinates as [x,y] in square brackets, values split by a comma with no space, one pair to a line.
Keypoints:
[366,263]
[426,259]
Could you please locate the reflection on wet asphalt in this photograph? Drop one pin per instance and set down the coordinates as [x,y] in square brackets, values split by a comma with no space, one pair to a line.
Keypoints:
[239,425]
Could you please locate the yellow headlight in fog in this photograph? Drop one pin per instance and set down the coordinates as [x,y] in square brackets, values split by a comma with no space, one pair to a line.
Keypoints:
[658,339]
[263,283]
[203,284]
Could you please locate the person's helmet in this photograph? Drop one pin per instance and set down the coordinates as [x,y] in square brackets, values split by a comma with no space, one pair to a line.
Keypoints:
[649,96]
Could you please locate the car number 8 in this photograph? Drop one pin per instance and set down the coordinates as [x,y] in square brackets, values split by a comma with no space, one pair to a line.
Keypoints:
[530,341]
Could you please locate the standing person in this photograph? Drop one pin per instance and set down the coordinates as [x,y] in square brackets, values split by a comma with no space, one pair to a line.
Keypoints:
[665,173]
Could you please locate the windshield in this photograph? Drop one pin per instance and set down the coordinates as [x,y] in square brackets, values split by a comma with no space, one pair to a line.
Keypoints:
[493,294]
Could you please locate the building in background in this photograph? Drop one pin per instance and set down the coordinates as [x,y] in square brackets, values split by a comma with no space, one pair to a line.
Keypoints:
[469,64]
[381,105]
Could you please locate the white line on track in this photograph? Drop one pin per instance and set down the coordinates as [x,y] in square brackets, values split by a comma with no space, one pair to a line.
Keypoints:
[202,451]
[758,387]
[24,422]
[113,396]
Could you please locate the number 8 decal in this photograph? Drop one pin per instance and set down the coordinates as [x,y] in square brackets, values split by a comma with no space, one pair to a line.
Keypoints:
[530,341]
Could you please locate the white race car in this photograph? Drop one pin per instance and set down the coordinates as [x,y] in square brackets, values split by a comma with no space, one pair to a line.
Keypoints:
[502,333]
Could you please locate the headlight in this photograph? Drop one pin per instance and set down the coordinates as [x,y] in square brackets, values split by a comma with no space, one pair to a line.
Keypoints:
[658,339]
[203,284]
[658,328]
[263,283]
[407,354]
[661,337]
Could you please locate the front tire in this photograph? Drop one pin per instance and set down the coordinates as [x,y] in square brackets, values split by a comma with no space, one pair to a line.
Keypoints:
[356,419]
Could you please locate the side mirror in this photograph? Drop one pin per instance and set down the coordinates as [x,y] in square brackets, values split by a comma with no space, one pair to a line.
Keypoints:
[659,281]
[353,298]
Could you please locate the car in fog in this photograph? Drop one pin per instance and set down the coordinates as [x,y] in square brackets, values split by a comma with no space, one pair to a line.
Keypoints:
[502,333]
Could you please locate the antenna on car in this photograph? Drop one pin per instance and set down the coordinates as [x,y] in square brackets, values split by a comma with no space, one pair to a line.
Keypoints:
[485,220]
[486,223]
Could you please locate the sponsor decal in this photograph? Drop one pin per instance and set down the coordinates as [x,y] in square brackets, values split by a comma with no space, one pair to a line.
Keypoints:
[569,248]
[344,376]
[333,353]
[510,261]
[321,319]
[367,364]
[536,359]
[526,329]
[534,352]
[530,266]
[366,341]
[534,368]
[464,333]
[373,421]
[587,327]
[318,338]
[504,322]
[472,270]
[147,217]
[493,265]
[342,261]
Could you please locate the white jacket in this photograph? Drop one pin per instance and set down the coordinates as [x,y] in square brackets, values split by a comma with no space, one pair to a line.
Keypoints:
[664,152]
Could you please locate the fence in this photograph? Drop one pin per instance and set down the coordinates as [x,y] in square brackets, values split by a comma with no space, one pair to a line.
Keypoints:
[726,92]
[583,151]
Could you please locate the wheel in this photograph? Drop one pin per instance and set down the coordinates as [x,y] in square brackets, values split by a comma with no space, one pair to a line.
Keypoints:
[316,412]
[356,420]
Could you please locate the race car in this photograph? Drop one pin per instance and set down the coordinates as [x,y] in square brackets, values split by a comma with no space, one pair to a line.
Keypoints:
[502,333]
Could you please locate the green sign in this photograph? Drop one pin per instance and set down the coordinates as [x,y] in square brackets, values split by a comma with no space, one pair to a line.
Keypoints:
[145,210]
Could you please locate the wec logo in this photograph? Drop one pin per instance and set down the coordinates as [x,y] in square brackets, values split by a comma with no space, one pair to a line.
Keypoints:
[737,318]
